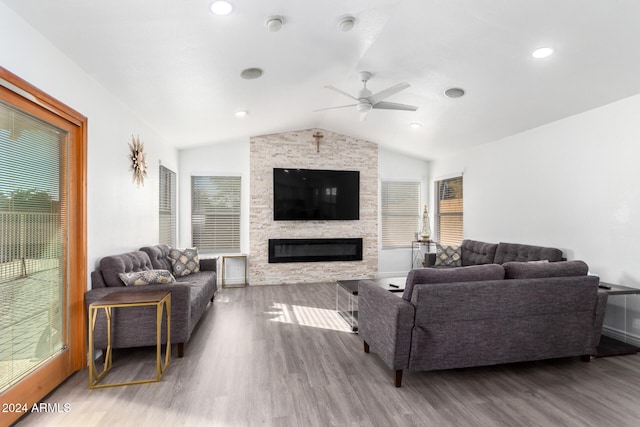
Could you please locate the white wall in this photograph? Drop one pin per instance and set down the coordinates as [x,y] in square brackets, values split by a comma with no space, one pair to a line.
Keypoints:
[571,184]
[121,216]
[230,158]
[398,167]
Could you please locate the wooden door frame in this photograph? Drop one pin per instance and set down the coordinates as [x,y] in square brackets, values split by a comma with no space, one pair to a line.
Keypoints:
[36,385]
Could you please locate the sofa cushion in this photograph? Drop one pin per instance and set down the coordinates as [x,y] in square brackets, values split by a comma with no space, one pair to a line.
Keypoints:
[528,270]
[184,261]
[112,266]
[451,275]
[507,252]
[147,277]
[475,252]
[449,256]
[159,256]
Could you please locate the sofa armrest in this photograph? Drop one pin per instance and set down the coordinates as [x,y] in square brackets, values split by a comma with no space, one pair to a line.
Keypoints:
[132,330]
[209,264]
[385,322]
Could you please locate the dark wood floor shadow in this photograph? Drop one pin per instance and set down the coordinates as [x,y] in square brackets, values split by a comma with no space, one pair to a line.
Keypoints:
[275,356]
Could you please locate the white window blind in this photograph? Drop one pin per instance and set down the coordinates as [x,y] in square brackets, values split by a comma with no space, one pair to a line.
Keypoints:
[167,207]
[449,211]
[400,212]
[215,213]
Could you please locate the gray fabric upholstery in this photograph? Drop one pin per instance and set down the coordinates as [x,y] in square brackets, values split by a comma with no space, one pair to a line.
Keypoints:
[449,275]
[507,252]
[135,327]
[470,322]
[525,270]
[387,331]
[475,252]
[159,256]
[112,266]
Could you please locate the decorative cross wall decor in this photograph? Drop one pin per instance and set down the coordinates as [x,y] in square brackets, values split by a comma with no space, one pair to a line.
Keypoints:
[318,136]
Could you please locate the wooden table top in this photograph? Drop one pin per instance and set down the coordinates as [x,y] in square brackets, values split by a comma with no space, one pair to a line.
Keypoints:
[140,297]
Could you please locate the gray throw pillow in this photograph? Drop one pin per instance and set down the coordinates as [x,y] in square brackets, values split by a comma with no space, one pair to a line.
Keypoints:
[147,277]
[184,261]
[449,256]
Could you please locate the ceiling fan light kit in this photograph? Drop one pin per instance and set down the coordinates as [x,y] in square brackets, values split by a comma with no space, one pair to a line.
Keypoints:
[454,92]
[366,101]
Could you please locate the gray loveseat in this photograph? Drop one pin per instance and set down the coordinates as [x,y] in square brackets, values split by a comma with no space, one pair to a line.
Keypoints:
[475,252]
[483,315]
[135,327]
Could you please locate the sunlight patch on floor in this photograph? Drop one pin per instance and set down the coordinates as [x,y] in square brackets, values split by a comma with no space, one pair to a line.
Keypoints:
[308,316]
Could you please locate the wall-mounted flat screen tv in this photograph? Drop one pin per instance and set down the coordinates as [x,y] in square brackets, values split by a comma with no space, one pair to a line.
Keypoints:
[309,194]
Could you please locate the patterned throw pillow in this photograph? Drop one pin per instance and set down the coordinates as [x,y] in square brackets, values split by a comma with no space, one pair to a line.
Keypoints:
[147,277]
[449,256]
[184,261]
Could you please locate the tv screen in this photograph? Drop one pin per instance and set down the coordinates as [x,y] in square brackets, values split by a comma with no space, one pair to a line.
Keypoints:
[307,194]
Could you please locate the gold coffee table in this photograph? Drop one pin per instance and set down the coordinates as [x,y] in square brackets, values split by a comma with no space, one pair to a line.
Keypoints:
[160,299]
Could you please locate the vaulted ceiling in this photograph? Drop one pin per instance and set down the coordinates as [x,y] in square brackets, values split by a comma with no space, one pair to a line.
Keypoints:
[178,66]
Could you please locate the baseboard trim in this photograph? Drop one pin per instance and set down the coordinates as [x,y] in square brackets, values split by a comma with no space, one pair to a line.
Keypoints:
[621,335]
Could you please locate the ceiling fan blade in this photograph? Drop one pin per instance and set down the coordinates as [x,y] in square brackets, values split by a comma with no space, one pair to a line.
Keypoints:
[384,105]
[333,108]
[383,94]
[341,92]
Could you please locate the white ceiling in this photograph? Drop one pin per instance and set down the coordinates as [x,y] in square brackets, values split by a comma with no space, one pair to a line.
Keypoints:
[178,65]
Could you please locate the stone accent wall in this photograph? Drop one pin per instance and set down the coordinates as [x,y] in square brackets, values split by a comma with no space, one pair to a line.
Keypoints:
[298,150]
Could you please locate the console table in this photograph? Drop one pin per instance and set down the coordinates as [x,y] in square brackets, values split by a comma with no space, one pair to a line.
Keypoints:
[161,300]
[610,346]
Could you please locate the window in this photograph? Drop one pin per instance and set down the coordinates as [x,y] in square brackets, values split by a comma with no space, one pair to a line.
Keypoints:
[400,213]
[215,213]
[449,211]
[167,207]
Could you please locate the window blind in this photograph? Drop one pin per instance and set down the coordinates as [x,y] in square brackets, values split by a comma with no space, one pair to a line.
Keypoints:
[167,207]
[215,213]
[400,212]
[449,211]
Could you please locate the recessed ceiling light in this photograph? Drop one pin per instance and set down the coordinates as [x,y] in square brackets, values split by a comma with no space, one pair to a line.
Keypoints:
[346,23]
[542,52]
[454,92]
[251,73]
[241,113]
[415,125]
[221,8]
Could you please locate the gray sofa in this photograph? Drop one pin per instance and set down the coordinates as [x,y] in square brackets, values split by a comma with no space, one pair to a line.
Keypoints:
[475,252]
[135,327]
[483,315]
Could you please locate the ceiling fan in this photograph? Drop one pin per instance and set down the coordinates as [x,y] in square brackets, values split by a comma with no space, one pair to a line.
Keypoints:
[368,101]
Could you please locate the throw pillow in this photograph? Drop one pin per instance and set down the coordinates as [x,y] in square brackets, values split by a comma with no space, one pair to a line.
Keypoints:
[184,261]
[147,277]
[449,256]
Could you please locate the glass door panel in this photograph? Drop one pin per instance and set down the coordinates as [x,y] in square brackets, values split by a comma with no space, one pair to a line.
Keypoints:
[33,236]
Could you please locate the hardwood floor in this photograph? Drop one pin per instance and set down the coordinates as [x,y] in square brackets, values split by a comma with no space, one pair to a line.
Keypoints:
[280,356]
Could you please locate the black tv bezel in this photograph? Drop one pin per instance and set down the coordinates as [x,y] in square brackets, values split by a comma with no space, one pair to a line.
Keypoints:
[356,217]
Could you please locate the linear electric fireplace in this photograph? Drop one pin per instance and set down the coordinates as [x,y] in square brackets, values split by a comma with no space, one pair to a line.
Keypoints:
[315,250]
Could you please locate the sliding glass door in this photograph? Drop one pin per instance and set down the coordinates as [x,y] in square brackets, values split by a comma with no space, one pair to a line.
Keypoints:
[42,243]
[32,235]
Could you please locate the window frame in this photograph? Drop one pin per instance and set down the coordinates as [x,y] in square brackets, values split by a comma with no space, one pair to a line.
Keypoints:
[439,215]
[403,242]
[231,214]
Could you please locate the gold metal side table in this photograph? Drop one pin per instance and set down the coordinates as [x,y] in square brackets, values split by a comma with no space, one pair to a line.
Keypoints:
[160,299]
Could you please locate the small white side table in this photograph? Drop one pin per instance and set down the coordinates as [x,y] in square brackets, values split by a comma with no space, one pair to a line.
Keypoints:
[225,280]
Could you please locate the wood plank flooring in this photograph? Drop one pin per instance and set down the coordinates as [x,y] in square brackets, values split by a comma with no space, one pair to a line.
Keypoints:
[280,356]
